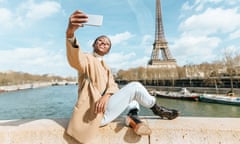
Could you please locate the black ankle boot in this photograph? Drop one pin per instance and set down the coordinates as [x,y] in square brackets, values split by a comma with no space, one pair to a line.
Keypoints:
[133,114]
[164,112]
[133,121]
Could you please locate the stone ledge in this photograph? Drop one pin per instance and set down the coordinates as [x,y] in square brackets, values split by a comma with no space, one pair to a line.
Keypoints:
[181,130]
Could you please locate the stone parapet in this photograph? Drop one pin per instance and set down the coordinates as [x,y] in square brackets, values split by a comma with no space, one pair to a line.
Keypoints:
[183,130]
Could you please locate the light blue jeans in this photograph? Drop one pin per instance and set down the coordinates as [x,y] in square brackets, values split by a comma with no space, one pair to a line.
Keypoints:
[130,96]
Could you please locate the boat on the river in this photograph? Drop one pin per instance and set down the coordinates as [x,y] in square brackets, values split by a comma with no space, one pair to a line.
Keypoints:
[182,94]
[220,99]
[2,90]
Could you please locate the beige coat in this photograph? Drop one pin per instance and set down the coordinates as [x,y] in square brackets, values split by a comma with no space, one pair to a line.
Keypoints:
[94,78]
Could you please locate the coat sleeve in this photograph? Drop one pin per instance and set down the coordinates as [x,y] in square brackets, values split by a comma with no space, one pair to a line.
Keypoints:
[75,56]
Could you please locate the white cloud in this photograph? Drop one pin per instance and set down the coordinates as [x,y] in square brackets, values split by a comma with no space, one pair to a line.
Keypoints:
[121,37]
[235,35]
[139,62]
[34,60]
[200,39]
[26,13]
[190,49]
[146,44]
[37,11]
[147,40]
[6,17]
[207,30]
[143,15]
[119,60]
[199,5]
[212,21]
[233,2]
[186,6]
[125,61]
[230,51]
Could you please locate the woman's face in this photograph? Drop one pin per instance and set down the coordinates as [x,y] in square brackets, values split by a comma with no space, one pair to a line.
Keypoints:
[102,46]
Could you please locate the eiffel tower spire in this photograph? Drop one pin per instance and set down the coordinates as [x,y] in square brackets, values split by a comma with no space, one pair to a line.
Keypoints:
[159,31]
[160,44]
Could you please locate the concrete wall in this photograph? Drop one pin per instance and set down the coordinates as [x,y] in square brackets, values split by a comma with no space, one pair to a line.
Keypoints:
[183,130]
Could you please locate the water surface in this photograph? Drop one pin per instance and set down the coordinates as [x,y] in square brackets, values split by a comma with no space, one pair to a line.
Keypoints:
[58,101]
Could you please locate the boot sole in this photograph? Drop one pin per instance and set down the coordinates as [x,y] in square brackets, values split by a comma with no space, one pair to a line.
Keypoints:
[142,129]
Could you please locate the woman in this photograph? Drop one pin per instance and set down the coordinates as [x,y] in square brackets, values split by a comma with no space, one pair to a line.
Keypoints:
[99,99]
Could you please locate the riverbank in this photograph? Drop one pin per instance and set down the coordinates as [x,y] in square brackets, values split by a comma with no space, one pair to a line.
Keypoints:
[33,85]
[200,90]
[185,130]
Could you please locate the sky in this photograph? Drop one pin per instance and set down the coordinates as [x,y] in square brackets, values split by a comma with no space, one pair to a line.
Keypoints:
[32,32]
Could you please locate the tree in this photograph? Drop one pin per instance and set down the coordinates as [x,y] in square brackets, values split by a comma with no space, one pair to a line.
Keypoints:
[230,62]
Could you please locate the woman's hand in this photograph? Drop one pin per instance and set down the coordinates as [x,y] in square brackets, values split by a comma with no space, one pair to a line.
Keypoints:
[101,104]
[76,20]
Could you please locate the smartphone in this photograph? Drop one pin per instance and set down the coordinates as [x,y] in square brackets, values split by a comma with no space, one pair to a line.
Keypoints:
[94,20]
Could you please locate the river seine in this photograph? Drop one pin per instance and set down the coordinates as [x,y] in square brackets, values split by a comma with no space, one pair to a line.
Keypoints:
[58,101]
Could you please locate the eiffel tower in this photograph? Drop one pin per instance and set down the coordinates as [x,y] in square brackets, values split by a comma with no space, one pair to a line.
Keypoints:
[160,44]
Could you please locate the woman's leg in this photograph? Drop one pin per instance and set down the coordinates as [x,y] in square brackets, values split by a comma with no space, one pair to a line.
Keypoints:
[133,105]
[118,102]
